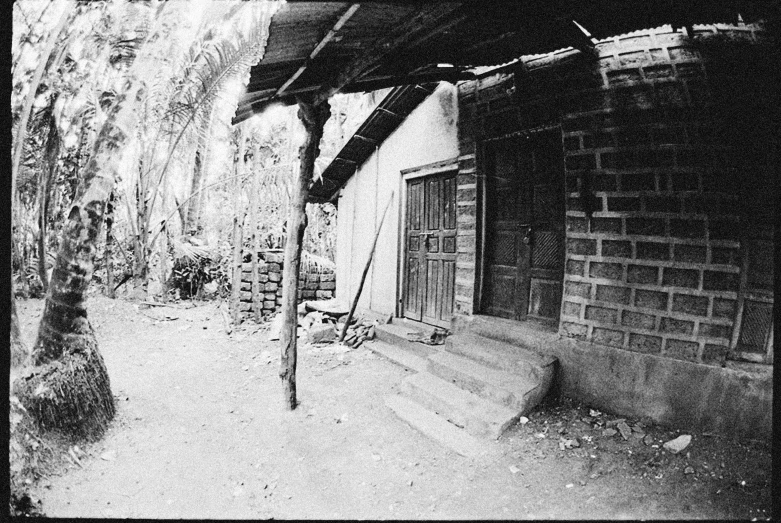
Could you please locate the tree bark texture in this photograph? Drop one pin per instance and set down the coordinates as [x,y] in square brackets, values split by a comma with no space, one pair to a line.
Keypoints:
[238,235]
[313,118]
[239,215]
[18,348]
[45,183]
[69,390]
[141,265]
[109,251]
[257,300]
[194,209]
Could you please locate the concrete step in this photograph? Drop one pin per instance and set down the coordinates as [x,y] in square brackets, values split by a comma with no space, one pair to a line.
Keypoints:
[516,391]
[397,355]
[477,415]
[503,356]
[396,334]
[436,427]
[530,334]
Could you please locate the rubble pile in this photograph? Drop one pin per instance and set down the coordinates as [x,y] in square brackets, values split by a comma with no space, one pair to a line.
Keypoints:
[357,333]
[323,322]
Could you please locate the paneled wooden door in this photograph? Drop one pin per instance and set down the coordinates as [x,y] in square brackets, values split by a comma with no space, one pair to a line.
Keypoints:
[524,230]
[430,250]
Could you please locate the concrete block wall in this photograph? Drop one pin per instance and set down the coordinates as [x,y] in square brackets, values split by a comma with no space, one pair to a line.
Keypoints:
[312,285]
[653,261]
[652,248]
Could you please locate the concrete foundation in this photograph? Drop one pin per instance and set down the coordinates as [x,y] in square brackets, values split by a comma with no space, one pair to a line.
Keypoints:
[735,401]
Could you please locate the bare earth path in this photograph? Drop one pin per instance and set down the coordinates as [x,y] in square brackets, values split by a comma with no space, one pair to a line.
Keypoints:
[201,433]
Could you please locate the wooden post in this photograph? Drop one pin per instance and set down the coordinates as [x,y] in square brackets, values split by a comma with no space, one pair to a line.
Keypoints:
[239,214]
[163,247]
[313,118]
[257,295]
[365,272]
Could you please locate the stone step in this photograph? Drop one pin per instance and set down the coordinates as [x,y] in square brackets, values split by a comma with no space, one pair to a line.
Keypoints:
[397,355]
[396,334]
[436,428]
[502,356]
[518,392]
[477,415]
[531,335]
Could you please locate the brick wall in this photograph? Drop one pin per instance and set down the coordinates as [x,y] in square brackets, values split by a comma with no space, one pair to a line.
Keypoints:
[652,219]
[312,285]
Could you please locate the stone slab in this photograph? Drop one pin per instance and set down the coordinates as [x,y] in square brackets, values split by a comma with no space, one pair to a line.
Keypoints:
[397,355]
[396,334]
[516,391]
[436,428]
[500,355]
[477,415]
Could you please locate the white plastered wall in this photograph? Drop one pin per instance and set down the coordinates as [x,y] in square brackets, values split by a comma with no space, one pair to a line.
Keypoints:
[429,134]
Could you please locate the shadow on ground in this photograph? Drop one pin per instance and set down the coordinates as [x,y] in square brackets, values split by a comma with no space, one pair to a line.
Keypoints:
[201,433]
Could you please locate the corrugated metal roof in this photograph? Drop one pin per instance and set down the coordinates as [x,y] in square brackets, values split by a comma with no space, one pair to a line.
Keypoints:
[380,123]
[400,43]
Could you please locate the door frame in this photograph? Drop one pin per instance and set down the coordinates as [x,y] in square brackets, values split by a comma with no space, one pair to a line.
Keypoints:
[482,214]
[412,173]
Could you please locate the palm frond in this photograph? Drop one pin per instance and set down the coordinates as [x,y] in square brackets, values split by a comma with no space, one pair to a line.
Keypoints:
[185,251]
[226,59]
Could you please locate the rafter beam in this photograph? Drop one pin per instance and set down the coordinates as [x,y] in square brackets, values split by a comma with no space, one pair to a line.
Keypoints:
[426,23]
[365,138]
[388,111]
[319,47]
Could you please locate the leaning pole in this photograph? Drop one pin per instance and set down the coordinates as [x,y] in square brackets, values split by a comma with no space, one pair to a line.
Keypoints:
[313,117]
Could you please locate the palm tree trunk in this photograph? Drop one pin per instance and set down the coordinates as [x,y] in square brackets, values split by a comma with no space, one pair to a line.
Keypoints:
[194,209]
[42,250]
[44,191]
[70,390]
[313,117]
[18,349]
[141,265]
[109,251]
[24,283]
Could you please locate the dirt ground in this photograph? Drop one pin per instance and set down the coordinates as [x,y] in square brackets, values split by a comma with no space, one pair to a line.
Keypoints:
[201,432]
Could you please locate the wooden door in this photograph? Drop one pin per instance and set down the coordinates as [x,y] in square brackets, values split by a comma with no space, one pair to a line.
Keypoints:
[524,232]
[430,251]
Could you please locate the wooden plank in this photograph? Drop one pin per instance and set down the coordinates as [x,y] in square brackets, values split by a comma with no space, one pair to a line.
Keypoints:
[432,273]
[449,292]
[431,168]
[413,254]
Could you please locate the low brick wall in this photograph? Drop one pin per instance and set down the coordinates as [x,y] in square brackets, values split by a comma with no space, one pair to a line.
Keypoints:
[312,285]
